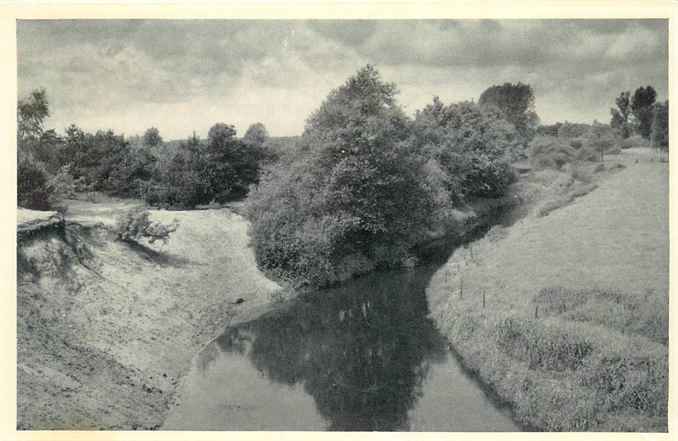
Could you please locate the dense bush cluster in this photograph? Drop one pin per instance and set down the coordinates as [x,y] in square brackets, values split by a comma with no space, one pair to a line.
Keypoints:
[573,143]
[200,172]
[367,183]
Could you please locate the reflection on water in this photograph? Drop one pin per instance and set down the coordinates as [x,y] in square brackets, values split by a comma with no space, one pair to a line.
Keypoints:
[364,356]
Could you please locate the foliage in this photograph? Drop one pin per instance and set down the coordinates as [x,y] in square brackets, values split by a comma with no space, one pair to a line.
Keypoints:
[633,141]
[549,129]
[354,194]
[365,184]
[135,225]
[32,175]
[61,185]
[550,152]
[32,188]
[660,125]
[642,106]
[474,147]
[516,104]
[573,130]
[256,135]
[620,115]
[31,113]
[152,137]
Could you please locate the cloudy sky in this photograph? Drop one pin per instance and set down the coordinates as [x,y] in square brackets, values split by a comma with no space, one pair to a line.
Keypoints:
[181,76]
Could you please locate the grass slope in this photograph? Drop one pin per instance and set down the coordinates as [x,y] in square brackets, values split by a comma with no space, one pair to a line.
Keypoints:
[575,325]
[106,330]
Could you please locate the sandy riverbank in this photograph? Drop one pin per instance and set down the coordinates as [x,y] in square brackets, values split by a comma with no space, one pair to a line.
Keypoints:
[105,330]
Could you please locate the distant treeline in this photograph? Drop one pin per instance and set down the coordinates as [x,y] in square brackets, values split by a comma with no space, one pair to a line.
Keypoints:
[176,174]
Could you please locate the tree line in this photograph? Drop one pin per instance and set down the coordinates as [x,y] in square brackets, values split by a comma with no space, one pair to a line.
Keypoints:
[641,114]
[52,167]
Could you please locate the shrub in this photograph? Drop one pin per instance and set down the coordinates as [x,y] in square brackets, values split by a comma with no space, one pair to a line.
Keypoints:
[32,185]
[135,225]
[633,141]
[573,130]
[577,143]
[61,185]
[550,152]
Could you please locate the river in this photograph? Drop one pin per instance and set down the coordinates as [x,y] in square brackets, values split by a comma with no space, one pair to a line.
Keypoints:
[364,356]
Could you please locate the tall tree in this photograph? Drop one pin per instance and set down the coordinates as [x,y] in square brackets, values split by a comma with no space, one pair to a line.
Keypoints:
[642,107]
[516,102]
[620,115]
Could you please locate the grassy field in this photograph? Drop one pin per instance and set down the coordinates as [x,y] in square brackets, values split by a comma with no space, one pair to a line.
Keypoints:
[107,329]
[565,314]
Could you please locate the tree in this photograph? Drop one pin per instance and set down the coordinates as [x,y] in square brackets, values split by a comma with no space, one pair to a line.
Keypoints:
[352,199]
[32,177]
[660,125]
[620,115]
[642,106]
[152,137]
[256,135]
[516,103]
[31,114]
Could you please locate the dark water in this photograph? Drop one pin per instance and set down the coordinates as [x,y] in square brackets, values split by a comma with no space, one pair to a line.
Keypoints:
[363,356]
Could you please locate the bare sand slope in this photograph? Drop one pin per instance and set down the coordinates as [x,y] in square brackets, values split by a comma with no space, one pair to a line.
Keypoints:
[105,329]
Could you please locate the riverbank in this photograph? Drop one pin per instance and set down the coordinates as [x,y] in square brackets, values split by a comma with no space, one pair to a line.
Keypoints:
[106,331]
[564,315]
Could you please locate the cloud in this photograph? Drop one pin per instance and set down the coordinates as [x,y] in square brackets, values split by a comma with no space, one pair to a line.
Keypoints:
[188,74]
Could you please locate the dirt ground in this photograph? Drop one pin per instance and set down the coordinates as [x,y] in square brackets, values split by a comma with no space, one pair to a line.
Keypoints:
[106,330]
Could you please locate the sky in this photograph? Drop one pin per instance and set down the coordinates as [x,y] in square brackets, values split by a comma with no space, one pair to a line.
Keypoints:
[181,76]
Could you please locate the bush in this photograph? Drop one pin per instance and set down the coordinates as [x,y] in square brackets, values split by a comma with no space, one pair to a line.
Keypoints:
[633,141]
[61,185]
[135,225]
[550,152]
[32,185]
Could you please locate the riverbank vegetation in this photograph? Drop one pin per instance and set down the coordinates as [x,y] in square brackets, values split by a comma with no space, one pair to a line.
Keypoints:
[367,183]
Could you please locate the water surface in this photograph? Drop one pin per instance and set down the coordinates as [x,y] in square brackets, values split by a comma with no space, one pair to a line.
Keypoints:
[364,356]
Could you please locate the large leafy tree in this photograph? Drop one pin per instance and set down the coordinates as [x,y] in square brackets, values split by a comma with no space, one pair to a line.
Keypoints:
[353,197]
[472,145]
[621,114]
[642,106]
[516,103]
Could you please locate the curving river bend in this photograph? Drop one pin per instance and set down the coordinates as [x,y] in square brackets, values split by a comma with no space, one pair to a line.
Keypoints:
[363,356]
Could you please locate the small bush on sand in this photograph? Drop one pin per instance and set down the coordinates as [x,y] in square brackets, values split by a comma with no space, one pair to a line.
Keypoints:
[135,225]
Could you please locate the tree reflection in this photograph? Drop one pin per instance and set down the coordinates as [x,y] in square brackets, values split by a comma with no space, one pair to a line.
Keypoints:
[361,350]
